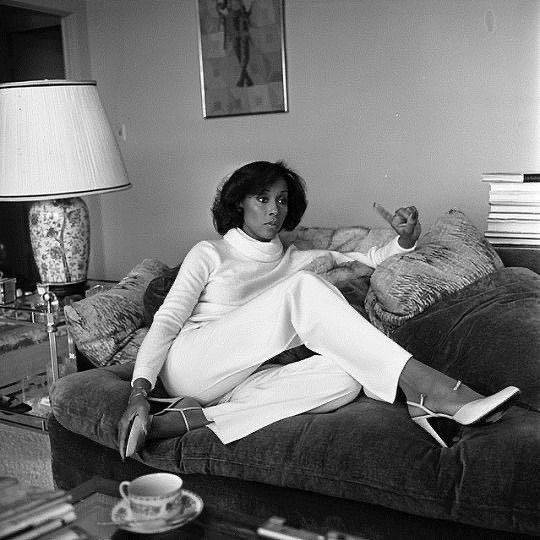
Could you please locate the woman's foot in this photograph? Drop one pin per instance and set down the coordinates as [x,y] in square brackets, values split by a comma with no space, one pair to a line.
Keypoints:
[433,396]
[442,393]
[181,416]
[177,419]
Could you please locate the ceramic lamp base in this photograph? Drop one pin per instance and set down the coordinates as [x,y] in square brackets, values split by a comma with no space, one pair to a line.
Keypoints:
[60,236]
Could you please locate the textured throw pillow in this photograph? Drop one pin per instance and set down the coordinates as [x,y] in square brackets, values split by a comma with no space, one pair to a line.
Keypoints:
[452,255]
[103,324]
[353,238]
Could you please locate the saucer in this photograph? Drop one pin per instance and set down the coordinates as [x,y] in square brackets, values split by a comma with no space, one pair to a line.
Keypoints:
[189,507]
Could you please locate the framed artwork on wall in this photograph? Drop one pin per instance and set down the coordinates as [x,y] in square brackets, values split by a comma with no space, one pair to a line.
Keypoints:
[242,57]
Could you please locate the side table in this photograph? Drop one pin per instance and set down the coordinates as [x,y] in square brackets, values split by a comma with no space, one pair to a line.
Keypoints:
[35,350]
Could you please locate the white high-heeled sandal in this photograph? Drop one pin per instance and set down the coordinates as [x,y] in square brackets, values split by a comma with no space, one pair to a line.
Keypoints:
[474,412]
[137,433]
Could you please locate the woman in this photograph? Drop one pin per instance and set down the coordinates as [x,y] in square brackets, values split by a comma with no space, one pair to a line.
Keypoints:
[240,300]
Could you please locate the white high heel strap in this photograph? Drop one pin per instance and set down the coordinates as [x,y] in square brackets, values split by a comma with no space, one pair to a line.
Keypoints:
[420,405]
[181,411]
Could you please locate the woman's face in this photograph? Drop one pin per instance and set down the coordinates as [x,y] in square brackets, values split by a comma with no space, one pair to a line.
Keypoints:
[265,213]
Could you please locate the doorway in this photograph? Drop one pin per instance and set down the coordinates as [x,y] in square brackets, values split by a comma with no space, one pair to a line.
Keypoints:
[31,48]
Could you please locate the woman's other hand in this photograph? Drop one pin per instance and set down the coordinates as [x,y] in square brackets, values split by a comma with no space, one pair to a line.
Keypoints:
[405,223]
[137,406]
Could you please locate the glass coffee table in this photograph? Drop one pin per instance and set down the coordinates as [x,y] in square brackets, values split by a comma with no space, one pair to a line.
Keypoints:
[94,500]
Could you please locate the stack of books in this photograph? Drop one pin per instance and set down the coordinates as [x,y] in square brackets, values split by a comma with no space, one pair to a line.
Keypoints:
[514,209]
[28,512]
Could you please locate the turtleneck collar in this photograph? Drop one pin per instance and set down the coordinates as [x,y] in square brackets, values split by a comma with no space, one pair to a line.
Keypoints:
[254,249]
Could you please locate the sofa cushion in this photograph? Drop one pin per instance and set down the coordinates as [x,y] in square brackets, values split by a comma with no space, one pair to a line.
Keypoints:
[370,451]
[487,334]
[103,324]
[450,256]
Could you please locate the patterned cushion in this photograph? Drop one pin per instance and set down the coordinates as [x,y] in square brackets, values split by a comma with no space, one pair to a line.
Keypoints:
[356,238]
[103,324]
[128,353]
[452,255]
[352,278]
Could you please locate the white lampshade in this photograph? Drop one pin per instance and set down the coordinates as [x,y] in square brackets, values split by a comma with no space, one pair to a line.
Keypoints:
[56,143]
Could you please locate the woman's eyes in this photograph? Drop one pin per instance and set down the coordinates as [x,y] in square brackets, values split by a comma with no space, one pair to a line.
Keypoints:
[262,199]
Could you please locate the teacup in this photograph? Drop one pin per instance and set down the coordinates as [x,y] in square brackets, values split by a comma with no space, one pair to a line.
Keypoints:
[152,496]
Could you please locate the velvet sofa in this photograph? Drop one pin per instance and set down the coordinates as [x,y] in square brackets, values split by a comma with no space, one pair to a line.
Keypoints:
[366,468]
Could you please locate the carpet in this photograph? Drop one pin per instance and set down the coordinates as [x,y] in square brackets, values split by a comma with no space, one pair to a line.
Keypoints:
[26,455]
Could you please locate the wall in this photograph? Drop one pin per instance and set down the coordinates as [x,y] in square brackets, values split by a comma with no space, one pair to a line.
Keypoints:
[398,101]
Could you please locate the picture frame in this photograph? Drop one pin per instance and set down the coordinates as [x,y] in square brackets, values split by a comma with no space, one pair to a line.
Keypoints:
[242,57]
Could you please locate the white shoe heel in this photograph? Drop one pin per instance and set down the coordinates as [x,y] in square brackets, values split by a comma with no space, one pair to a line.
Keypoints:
[423,422]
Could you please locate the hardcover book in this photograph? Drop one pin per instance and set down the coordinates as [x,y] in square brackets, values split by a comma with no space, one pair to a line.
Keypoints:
[26,509]
[511,177]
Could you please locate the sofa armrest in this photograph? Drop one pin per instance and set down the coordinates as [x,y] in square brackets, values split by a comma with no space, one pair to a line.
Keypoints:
[91,402]
[525,256]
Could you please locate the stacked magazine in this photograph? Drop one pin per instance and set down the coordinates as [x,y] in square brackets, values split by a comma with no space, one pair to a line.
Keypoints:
[28,512]
[514,209]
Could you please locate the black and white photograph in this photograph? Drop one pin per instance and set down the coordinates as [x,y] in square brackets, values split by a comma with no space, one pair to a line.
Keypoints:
[270,269]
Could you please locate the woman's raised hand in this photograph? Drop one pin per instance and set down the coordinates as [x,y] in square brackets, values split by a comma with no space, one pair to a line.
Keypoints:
[404,221]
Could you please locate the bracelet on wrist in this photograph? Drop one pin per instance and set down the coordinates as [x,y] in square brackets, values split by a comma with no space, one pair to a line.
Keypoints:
[138,392]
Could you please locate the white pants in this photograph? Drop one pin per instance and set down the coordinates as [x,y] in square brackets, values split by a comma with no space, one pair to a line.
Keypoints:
[218,363]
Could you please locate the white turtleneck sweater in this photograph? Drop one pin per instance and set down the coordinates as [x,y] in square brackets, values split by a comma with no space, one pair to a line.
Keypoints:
[218,276]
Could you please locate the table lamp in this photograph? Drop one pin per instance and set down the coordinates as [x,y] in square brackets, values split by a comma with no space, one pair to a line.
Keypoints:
[57,145]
